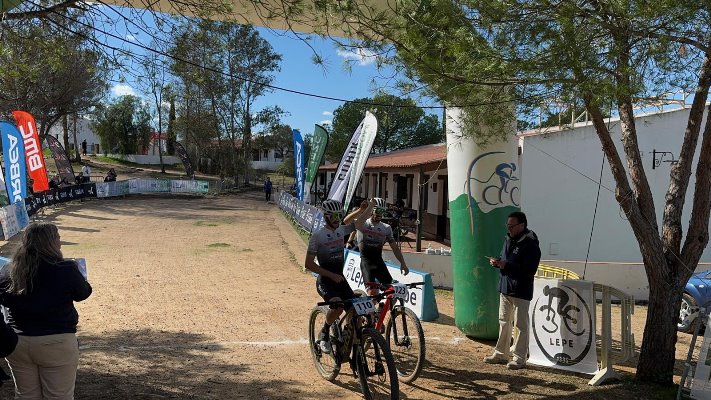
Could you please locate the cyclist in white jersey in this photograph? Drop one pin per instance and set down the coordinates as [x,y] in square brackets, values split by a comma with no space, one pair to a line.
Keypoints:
[326,246]
[372,235]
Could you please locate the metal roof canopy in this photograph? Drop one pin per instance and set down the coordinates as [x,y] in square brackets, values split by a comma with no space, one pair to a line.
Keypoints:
[263,13]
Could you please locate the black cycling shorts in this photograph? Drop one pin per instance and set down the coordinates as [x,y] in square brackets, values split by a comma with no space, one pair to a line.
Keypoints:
[329,289]
[373,268]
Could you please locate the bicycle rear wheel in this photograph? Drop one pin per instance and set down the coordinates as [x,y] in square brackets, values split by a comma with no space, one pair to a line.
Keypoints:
[327,365]
[406,339]
[375,367]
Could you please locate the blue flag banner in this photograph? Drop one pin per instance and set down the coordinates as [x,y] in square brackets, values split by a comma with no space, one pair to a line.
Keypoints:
[299,161]
[15,170]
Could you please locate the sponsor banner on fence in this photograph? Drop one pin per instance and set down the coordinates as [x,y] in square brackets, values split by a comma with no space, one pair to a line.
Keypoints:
[111,189]
[309,217]
[148,186]
[13,219]
[182,186]
[563,325]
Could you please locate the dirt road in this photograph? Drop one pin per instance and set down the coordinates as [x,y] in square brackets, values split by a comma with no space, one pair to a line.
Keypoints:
[203,298]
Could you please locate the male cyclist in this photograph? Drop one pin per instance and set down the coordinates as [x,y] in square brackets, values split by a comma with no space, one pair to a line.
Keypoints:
[372,235]
[326,246]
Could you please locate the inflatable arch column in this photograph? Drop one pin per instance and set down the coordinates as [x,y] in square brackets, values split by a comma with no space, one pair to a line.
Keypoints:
[484,188]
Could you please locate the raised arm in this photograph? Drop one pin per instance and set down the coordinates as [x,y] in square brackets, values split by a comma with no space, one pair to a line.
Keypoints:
[360,221]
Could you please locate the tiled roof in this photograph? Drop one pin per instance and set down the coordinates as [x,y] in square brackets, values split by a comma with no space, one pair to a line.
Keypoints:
[407,158]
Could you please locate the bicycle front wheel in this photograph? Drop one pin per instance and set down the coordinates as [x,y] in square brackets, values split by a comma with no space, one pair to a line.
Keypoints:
[327,365]
[375,367]
[406,339]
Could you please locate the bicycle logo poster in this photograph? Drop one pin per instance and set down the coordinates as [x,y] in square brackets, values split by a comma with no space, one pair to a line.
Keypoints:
[563,325]
[493,182]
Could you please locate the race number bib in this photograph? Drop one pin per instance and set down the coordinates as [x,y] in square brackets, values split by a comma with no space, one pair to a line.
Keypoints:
[363,306]
[399,291]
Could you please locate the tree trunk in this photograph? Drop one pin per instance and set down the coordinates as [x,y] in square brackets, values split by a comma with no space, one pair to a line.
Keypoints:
[76,142]
[65,128]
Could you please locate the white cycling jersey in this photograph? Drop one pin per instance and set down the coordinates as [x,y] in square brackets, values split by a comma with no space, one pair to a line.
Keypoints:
[327,245]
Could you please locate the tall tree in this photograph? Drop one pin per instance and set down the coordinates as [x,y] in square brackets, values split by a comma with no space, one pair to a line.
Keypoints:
[124,126]
[50,70]
[490,55]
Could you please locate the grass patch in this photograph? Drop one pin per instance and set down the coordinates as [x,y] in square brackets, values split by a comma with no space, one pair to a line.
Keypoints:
[445,293]
[219,245]
[205,223]
[246,249]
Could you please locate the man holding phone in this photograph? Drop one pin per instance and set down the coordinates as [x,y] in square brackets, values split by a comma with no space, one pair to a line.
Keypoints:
[517,266]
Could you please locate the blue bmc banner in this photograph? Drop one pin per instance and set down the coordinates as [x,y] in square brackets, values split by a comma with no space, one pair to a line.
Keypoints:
[14,154]
[299,161]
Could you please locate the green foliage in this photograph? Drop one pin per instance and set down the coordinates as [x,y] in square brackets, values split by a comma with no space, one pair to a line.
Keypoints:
[400,125]
[124,126]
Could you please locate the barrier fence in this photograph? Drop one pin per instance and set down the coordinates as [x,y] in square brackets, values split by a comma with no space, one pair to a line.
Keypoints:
[15,217]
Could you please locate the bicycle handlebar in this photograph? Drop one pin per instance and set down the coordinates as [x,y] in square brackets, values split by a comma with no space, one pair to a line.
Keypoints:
[376,285]
[376,297]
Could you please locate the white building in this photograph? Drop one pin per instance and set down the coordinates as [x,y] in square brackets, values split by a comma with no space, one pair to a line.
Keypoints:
[267,159]
[83,130]
[559,199]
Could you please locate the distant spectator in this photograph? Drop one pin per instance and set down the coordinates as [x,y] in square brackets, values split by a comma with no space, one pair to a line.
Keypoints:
[111,176]
[54,182]
[86,173]
[79,178]
[268,188]
[83,147]
[30,187]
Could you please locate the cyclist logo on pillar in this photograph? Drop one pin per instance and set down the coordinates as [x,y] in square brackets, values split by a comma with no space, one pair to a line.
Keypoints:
[562,325]
[499,188]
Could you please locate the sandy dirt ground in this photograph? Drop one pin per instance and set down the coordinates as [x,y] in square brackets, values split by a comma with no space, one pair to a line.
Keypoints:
[204,298]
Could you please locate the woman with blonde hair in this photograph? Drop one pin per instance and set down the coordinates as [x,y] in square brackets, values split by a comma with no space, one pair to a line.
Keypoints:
[38,289]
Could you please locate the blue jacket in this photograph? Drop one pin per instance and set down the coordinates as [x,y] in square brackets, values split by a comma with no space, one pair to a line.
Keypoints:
[522,256]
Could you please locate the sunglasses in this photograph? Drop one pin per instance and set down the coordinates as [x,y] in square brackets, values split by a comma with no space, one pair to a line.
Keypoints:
[335,216]
[379,211]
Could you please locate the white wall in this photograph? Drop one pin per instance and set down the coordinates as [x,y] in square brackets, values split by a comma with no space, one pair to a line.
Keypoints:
[560,202]
[84,132]
[147,159]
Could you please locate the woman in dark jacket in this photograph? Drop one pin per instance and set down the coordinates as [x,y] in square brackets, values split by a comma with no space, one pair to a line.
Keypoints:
[38,289]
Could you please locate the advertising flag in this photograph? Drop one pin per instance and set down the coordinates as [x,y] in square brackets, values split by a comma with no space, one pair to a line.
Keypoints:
[360,158]
[61,160]
[299,163]
[14,154]
[342,176]
[183,154]
[318,146]
[33,150]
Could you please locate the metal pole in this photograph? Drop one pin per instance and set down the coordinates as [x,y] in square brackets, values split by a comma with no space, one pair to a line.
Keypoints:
[418,240]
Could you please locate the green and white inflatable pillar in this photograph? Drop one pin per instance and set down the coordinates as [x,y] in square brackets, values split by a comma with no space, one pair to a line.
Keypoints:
[484,188]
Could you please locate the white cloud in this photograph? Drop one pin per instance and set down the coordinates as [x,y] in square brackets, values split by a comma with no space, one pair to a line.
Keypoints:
[123,90]
[130,38]
[327,113]
[325,122]
[363,56]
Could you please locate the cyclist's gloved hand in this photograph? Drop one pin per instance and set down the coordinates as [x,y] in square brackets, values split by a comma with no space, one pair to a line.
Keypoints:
[404,270]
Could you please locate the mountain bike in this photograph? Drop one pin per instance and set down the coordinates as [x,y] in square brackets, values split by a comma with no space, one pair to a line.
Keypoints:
[403,330]
[354,340]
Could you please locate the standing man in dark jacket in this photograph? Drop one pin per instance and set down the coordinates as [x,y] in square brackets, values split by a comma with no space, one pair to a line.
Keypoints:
[517,265]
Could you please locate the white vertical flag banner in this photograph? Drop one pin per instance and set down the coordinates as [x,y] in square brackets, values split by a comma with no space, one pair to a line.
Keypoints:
[340,179]
[563,325]
[365,143]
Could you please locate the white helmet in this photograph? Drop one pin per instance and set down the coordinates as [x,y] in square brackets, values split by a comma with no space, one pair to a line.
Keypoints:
[331,206]
[379,202]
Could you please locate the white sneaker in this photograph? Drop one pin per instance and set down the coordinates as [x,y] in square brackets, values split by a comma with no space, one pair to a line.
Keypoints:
[325,346]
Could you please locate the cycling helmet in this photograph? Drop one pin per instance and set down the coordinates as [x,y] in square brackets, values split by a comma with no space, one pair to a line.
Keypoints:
[331,206]
[379,202]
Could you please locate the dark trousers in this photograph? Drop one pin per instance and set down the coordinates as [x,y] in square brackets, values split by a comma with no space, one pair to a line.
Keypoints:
[269,195]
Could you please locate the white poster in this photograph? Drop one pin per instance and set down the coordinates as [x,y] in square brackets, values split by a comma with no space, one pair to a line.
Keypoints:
[701,385]
[563,325]
[416,296]
[13,219]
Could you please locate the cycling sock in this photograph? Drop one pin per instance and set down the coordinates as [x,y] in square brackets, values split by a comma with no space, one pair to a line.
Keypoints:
[325,330]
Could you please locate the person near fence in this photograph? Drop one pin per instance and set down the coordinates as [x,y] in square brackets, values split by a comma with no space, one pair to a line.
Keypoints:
[86,173]
[372,236]
[83,147]
[111,176]
[326,246]
[268,188]
[38,289]
[517,266]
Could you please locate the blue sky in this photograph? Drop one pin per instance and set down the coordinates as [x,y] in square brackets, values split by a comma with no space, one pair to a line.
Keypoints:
[298,72]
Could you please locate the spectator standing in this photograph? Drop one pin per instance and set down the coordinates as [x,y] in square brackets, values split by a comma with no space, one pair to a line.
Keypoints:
[86,173]
[517,266]
[268,189]
[38,289]
[83,147]
[111,176]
